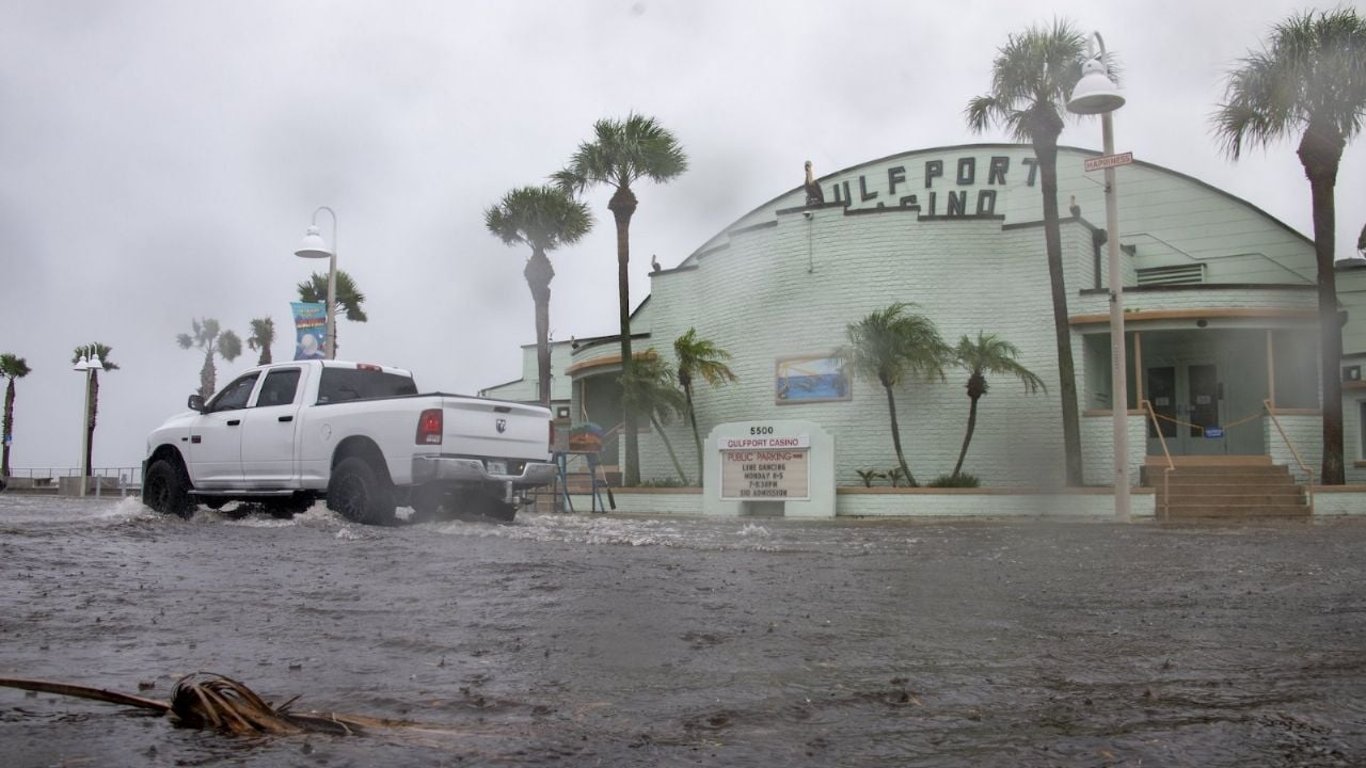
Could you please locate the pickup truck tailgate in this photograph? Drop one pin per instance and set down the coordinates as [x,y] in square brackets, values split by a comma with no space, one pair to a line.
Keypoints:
[496,429]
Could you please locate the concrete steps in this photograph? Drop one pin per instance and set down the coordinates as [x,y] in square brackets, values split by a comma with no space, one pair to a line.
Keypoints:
[1227,487]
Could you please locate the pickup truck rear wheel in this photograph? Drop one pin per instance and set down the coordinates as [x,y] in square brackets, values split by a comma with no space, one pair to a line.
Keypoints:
[166,489]
[358,493]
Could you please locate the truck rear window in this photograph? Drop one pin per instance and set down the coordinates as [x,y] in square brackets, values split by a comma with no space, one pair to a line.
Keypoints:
[339,385]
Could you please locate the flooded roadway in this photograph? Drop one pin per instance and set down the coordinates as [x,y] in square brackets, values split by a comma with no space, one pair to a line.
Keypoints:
[577,640]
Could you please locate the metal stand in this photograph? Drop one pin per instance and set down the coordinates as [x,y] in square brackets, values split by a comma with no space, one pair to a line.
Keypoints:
[562,480]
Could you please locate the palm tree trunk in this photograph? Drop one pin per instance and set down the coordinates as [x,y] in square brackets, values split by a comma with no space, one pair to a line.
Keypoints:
[623,206]
[1046,148]
[6,427]
[659,429]
[692,419]
[967,437]
[207,375]
[91,409]
[1320,162]
[896,438]
[538,273]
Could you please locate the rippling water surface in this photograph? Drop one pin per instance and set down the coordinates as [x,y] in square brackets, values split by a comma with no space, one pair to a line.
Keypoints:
[612,640]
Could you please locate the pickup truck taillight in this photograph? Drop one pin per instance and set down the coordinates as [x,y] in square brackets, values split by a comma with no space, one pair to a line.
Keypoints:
[429,427]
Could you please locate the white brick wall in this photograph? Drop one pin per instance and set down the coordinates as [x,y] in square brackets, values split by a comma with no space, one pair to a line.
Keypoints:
[1305,432]
[765,298]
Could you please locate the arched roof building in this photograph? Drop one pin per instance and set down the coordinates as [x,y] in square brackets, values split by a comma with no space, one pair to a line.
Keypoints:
[1219,297]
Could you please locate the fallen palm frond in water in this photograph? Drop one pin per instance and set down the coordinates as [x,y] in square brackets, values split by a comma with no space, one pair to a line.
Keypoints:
[207,700]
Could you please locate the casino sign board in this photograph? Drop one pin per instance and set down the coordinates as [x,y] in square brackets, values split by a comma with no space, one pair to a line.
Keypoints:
[765,466]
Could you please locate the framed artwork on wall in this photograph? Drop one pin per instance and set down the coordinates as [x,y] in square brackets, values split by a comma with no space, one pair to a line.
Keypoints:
[810,379]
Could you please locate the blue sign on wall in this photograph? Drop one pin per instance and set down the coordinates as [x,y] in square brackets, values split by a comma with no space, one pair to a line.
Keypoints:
[1214,431]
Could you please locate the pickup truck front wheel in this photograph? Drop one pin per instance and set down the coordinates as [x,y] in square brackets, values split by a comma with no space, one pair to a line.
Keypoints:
[166,489]
[359,494]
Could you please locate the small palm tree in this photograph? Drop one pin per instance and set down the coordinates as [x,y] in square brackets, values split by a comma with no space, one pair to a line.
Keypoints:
[649,388]
[207,337]
[1310,81]
[623,152]
[262,336]
[1031,79]
[989,354]
[699,358]
[11,367]
[889,346]
[349,298]
[544,218]
[92,352]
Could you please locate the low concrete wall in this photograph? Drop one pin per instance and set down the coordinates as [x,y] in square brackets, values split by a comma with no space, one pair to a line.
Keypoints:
[990,502]
[911,502]
[1336,500]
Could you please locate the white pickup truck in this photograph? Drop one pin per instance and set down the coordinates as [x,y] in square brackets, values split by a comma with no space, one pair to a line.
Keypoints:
[283,435]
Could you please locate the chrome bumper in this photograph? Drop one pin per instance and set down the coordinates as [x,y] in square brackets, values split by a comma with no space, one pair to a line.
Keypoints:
[428,469]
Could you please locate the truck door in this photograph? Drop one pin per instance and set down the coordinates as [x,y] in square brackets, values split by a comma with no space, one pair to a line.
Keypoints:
[268,429]
[215,451]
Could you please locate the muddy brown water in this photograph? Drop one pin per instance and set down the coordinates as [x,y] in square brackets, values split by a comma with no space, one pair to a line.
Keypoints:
[613,640]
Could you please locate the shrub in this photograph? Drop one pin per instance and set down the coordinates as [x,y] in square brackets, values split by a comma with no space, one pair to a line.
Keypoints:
[961,480]
[662,482]
[868,476]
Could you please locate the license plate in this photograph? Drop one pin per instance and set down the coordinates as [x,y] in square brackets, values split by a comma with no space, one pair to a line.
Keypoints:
[497,467]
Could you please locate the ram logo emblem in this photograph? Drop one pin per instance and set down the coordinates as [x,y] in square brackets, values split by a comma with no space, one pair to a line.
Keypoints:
[502,425]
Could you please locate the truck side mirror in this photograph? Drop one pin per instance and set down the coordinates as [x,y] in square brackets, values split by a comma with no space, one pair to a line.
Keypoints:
[196,403]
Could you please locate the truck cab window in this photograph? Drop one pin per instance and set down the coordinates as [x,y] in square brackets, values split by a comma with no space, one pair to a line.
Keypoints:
[339,385]
[235,395]
[279,387]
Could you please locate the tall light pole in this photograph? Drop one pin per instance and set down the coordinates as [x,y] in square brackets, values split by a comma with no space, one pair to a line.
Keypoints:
[1097,94]
[88,364]
[314,247]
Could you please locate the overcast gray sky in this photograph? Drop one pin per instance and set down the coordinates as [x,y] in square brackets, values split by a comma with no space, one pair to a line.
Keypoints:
[159,159]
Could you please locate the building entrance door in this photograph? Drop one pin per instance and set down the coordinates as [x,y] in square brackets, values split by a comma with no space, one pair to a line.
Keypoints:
[1188,400]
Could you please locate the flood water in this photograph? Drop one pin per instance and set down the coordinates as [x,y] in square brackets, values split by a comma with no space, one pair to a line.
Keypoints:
[613,640]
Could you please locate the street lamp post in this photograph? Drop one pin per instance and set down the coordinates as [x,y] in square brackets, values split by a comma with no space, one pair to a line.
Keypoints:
[1097,94]
[314,247]
[88,364]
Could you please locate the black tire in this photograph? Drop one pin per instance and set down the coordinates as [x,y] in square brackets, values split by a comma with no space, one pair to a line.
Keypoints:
[483,506]
[358,493]
[166,489]
[501,511]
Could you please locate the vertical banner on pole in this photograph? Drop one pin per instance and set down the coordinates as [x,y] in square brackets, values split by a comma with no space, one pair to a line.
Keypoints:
[310,329]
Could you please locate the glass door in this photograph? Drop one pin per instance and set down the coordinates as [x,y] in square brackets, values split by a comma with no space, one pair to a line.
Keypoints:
[1187,399]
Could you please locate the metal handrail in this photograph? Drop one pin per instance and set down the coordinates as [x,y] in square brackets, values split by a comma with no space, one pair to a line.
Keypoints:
[1308,472]
[1171,465]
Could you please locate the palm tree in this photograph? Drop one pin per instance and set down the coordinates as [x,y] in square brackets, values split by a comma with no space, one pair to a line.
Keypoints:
[349,298]
[887,347]
[262,336]
[207,338]
[544,218]
[11,367]
[649,388]
[703,359]
[989,354]
[90,352]
[621,153]
[1312,79]
[1031,78]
